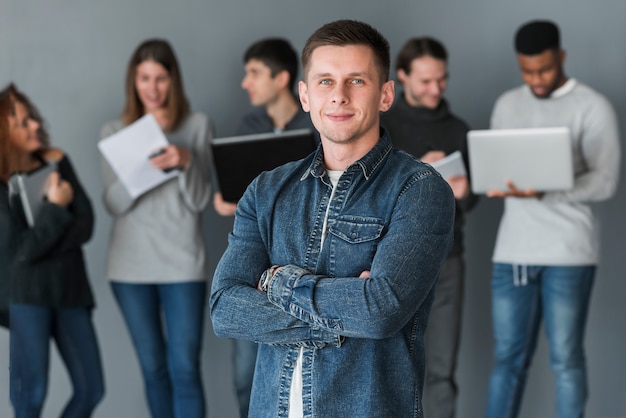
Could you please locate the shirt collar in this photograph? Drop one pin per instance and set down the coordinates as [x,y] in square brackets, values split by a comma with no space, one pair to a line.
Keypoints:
[564,89]
[368,164]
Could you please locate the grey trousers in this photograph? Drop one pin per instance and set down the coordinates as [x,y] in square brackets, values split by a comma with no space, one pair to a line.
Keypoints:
[442,339]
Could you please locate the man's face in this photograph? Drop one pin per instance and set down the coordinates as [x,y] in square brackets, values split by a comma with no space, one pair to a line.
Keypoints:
[543,72]
[262,88]
[343,93]
[425,83]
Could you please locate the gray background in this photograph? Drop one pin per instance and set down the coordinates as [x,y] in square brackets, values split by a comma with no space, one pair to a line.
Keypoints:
[70,57]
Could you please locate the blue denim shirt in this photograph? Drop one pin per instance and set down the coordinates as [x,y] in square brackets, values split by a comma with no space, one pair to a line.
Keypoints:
[362,339]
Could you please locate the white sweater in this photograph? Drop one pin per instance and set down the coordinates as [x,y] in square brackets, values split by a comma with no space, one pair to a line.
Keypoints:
[157,238]
[560,228]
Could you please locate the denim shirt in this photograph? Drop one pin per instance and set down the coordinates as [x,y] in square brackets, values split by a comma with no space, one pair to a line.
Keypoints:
[362,339]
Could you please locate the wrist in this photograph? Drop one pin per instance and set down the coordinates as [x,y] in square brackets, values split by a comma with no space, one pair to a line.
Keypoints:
[266,278]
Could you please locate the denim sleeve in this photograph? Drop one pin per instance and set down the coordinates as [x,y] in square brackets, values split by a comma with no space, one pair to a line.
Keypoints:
[238,309]
[404,269]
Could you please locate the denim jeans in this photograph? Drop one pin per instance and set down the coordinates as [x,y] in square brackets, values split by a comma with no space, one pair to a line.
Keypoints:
[244,360]
[560,296]
[170,357]
[32,326]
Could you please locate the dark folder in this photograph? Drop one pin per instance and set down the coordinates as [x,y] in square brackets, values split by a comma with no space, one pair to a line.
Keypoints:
[239,159]
[31,188]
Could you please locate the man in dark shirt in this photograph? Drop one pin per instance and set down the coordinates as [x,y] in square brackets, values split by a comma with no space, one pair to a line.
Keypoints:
[421,123]
[271,67]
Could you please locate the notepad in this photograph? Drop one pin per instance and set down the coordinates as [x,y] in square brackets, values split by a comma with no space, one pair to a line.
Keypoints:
[31,188]
[536,158]
[451,165]
[239,159]
[128,153]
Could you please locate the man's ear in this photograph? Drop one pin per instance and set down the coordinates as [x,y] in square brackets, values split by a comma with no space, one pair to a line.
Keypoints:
[402,76]
[303,92]
[282,79]
[387,95]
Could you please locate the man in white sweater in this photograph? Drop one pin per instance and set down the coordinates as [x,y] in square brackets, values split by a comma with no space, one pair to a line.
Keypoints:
[546,250]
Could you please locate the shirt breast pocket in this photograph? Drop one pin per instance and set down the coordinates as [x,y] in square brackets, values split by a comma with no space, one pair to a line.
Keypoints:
[353,244]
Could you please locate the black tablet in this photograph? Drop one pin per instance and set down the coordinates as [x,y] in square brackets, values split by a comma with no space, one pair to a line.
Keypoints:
[239,159]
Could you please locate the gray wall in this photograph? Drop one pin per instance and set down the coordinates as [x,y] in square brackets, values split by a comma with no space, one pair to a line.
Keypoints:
[70,57]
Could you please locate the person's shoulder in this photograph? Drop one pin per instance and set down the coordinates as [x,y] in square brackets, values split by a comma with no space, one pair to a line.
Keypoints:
[593,104]
[195,119]
[407,163]
[454,119]
[284,173]
[586,92]
[254,122]
[111,127]
[255,115]
[512,94]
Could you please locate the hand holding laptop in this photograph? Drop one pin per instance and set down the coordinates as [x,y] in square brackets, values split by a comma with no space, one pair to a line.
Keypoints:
[515,192]
[59,191]
[520,162]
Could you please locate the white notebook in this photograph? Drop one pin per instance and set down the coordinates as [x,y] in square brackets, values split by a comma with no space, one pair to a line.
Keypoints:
[128,153]
[451,165]
[536,158]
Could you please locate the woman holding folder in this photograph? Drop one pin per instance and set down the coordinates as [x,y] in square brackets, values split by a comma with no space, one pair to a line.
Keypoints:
[156,258]
[43,278]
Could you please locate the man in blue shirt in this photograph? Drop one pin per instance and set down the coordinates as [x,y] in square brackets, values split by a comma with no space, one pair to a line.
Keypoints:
[332,260]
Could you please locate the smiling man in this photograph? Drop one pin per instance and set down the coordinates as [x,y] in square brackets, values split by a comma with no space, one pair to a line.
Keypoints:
[332,260]
[547,245]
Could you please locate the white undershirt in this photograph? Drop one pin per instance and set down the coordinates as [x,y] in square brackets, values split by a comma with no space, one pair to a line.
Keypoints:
[295,390]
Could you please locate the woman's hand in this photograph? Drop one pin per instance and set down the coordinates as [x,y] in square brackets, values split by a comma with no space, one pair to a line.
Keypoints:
[59,191]
[172,156]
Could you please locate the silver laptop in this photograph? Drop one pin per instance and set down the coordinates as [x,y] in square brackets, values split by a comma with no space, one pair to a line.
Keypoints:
[537,158]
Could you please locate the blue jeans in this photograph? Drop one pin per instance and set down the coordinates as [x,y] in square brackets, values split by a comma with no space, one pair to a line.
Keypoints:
[32,326]
[170,357]
[560,296]
[244,360]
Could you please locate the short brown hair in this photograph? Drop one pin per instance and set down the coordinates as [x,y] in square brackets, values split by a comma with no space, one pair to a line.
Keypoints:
[349,32]
[160,51]
[417,48]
